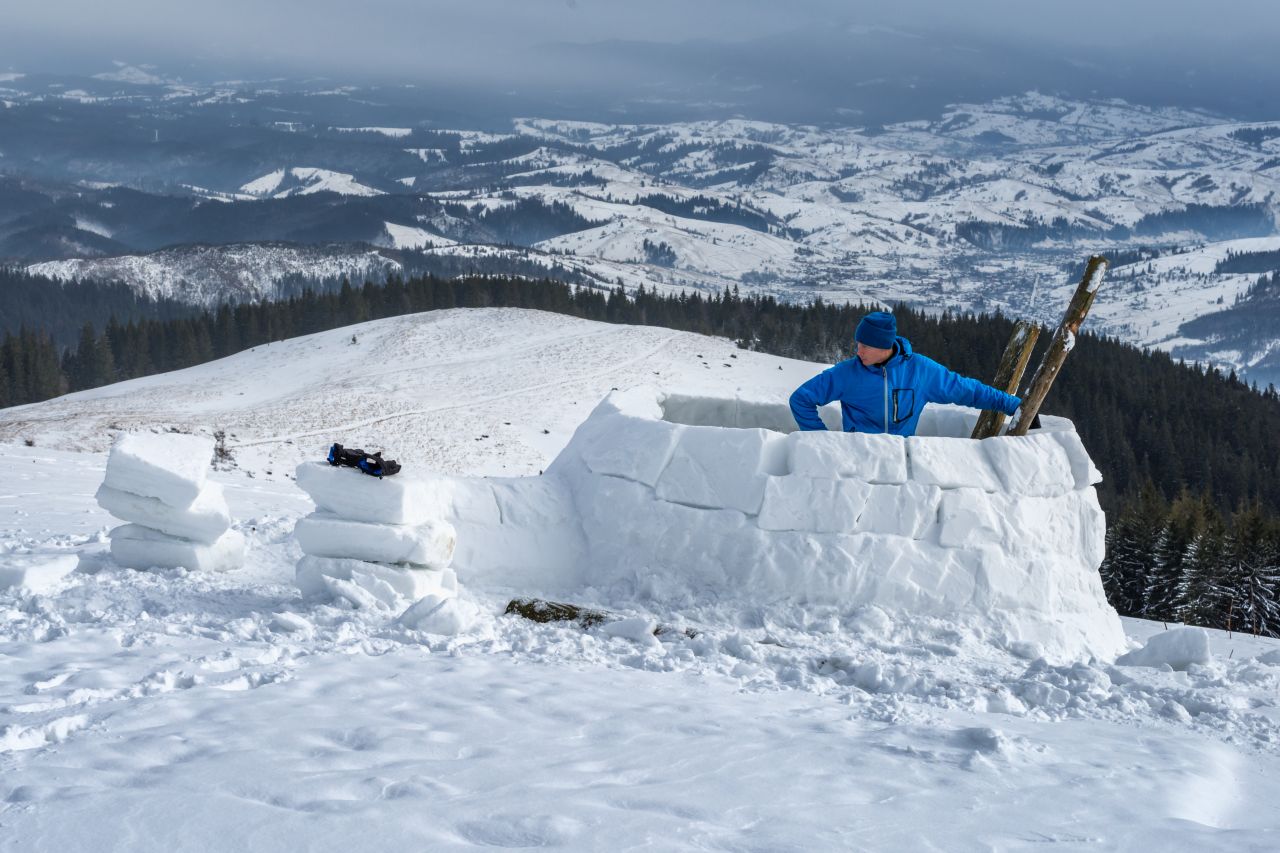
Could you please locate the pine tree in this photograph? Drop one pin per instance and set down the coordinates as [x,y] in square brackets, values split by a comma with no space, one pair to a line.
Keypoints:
[1130,562]
[1250,581]
[1184,522]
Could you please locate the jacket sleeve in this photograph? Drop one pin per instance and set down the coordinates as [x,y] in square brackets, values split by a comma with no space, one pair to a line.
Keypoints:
[947,386]
[806,399]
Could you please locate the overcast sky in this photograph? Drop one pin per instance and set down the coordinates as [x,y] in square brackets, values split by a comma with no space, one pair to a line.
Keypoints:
[1214,54]
[404,36]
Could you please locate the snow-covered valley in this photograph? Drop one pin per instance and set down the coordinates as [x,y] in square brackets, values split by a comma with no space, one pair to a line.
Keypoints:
[987,206]
[159,709]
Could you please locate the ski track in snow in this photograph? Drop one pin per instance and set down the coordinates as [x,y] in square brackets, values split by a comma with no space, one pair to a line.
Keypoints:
[154,710]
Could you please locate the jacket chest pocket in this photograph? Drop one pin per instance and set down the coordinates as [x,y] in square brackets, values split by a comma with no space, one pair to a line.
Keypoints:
[904,404]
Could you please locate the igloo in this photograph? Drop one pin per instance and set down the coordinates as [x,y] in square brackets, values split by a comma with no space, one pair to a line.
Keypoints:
[684,498]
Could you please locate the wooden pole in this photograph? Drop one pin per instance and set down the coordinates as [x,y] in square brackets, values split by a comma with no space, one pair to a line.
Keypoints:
[1012,365]
[1064,339]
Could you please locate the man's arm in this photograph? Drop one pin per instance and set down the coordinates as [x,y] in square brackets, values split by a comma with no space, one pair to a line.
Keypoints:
[947,386]
[806,399]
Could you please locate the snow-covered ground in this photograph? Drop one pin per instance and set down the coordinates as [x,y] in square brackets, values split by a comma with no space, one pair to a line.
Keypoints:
[168,709]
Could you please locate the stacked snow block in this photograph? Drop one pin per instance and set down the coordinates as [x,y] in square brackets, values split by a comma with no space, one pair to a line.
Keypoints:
[652,498]
[178,517]
[373,541]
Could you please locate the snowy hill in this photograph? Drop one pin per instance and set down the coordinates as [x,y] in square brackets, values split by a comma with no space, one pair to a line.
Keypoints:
[210,275]
[273,720]
[299,180]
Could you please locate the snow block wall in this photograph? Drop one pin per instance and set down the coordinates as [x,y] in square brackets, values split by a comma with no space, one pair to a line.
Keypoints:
[373,541]
[178,517]
[688,499]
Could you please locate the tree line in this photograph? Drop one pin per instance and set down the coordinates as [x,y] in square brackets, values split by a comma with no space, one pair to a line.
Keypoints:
[1155,426]
[1182,561]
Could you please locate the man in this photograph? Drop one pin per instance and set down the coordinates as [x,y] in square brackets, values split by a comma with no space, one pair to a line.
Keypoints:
[886,386]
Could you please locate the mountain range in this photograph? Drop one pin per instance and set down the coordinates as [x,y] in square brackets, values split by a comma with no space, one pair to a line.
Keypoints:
[240,191]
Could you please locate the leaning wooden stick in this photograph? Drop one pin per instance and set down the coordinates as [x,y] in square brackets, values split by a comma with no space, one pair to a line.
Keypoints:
[1063,341]
[1012,365]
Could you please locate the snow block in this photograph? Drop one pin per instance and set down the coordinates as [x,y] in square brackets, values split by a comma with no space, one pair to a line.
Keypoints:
[469,499]
[1035,464]
[35,572]
[169,467]
[533,502]
[869,457]
[968,519]
[736,413]
[1177,647]
[436,615]
[204,520]
[429,544]
[717,469]
[1086,474]
[908,510]
[1025,584]
[348,493]
[632,448]
[368,584]
[946,420]
[136,547]
[951,463]
[1071,524]
[803,503]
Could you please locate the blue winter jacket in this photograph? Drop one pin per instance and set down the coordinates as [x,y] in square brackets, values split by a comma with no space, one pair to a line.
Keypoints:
[890,397]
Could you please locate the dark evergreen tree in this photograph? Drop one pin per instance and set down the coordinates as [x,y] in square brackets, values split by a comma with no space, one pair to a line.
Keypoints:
[1185,520]
[1249,580]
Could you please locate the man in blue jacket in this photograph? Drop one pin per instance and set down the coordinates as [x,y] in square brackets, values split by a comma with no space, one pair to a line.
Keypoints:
[886,386]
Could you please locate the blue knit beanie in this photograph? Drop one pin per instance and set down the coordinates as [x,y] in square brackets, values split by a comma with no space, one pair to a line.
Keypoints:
[878,329]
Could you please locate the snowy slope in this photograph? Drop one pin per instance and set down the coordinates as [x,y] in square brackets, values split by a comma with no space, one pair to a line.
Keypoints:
[304,180]
[266,721]
[210,275]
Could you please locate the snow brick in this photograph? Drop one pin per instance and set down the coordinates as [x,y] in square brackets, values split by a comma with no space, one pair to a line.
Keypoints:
[1035,464]
[170,467]
[348,493]
[951,463]
[717,468]
[869,457]
[803,503]
[204,520]
[908,510]
[136,547]
[429,544]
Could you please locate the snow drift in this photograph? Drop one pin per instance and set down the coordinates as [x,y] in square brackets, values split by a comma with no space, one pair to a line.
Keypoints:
[687,498]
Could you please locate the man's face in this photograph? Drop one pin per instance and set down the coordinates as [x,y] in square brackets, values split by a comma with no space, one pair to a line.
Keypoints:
[871,356]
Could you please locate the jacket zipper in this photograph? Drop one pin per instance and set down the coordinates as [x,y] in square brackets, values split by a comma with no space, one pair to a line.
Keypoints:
[885,372]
